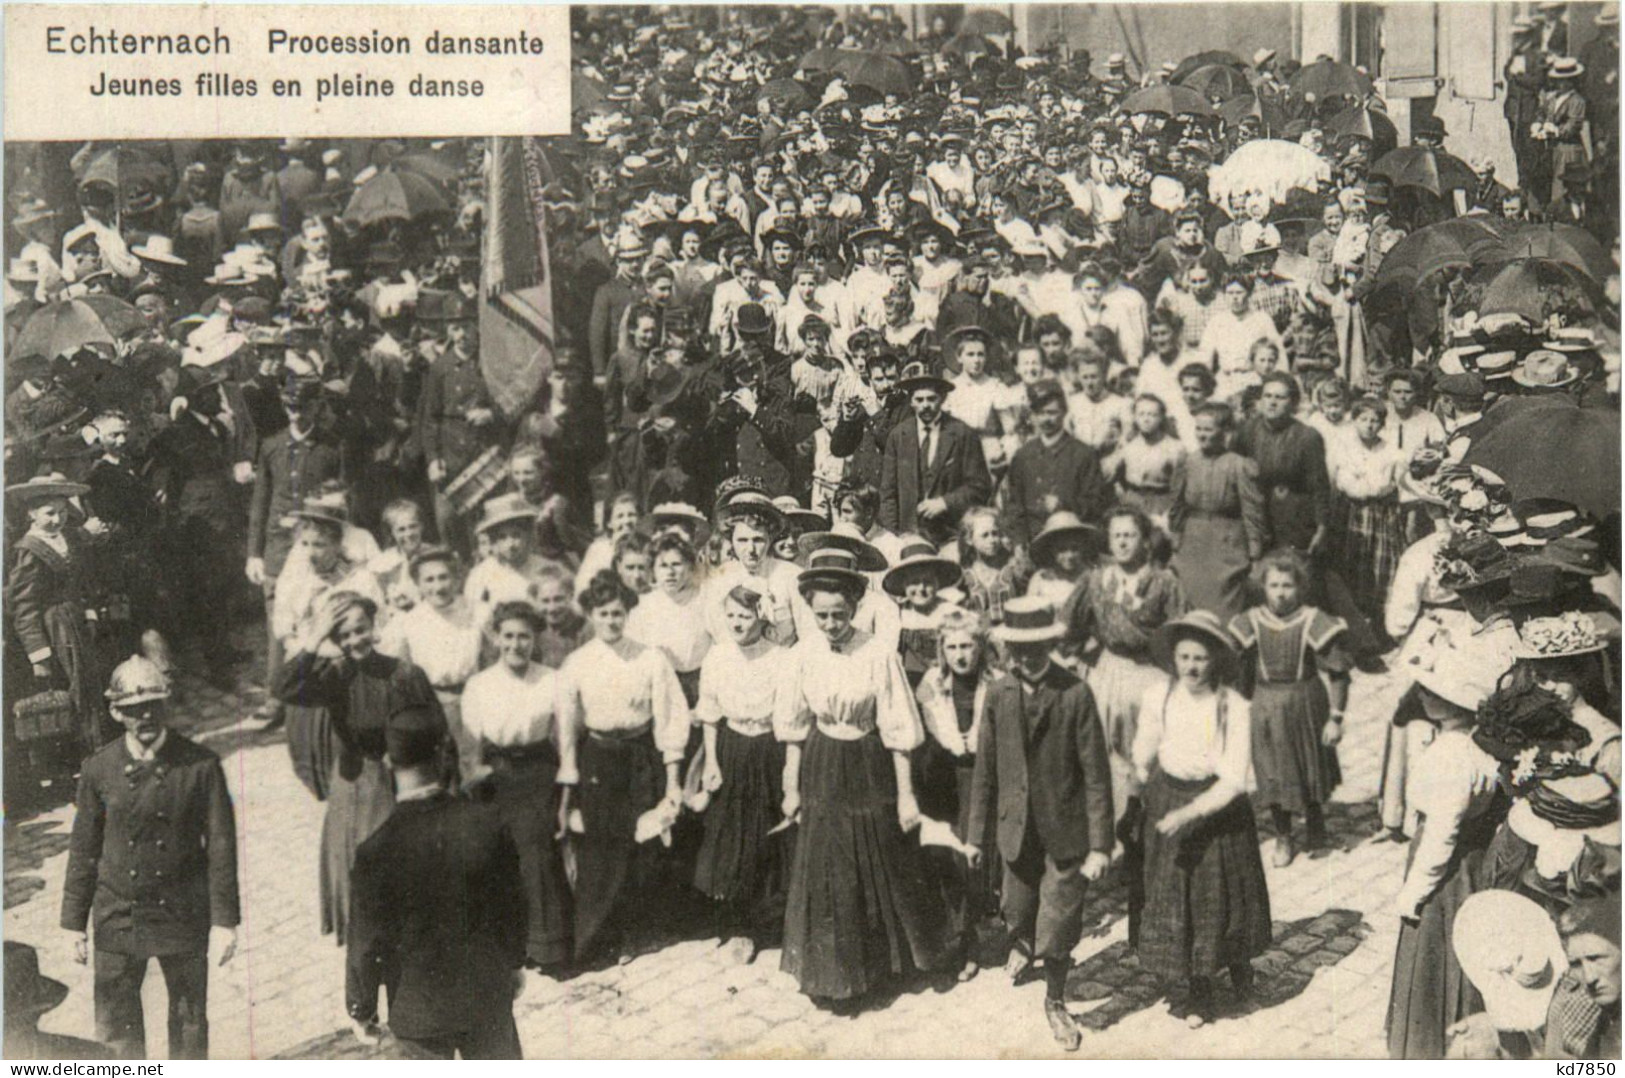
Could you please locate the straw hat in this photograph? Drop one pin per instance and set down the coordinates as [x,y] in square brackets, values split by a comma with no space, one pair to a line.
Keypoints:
[832,565]
[1566,67]
[749,503]
[1558,816]
[262,222]
[1203,625]
[158,248]
[918,554]
[1509,949]
[669,514]
[1029,620]
[1546,369]
[868,558]
[136,680]
[504,509]
[1059,528]
[798,519]
[40,487]
[329,508]
[1573,633]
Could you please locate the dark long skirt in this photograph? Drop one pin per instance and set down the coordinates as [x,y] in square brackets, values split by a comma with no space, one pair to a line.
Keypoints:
[1372,540]
[1430,992]
[621,779]
[1213,566]
[968,895]
[360,797]
[311,746]
[860,911]
[1207,905]
[72,652]
[523,782]
[738,864]
[1294,769]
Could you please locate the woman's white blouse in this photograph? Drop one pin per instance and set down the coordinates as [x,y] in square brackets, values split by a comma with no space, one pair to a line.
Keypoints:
[742,685]
[609,693]
[1454,781]
[1182,734]
[510,710]
[679,628]
[1362,471]
[445,644]
[849,691]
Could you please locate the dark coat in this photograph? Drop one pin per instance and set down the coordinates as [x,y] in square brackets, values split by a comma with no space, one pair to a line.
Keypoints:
[452,388]
[957,473]
[153,857]
[287,471]
[1044,758]
[192,465]
[1069,472]
[438,918]
[862,439]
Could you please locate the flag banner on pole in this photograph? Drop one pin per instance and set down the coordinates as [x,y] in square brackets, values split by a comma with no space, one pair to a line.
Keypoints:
[516,312]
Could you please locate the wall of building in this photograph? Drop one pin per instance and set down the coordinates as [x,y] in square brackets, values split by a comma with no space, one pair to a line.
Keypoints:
[1149,33]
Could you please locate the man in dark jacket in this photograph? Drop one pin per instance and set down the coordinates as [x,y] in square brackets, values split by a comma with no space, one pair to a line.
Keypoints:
[933,469]
[437,912]
[459,421]
[293,463]
[1052,471]
[1041,758]
[153,861]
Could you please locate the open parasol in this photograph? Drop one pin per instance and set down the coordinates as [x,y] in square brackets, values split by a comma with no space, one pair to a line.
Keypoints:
[66,326]
[395,195]
[987,21]
[1329,78]
[1207,59]
[1427,168]
[819,59]
[1168,100]
[1270,166]
[1536,288]
[1218,81]
[1460,242]
[864,67]
[430,167]
[787,94]
[1561,243]
[968,44]
[1549,447]
[1363,121]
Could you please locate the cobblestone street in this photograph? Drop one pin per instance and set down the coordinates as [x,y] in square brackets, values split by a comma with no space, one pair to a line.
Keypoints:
[1322,989]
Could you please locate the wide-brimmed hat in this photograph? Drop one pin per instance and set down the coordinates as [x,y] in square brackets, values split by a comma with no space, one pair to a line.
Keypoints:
[919,555]
[919,376]
[136,680]
[1263,56]
[1546,369]
[1565,67]
[1552,518]
[158,248]
[1061,527]
[1560,815]
[504,509]
[1574,633]
[1463,668]
[798,519]
[667,514]
[832,565]
[29,993]
[749,503]
[843,536]
[1203,625]
[262,221]
[1029,619]
[328,508]
[1494,365]
[50,485]
[1573,555]
[1509,949]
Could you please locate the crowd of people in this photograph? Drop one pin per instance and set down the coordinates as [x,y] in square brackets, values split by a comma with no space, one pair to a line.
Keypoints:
[961,472]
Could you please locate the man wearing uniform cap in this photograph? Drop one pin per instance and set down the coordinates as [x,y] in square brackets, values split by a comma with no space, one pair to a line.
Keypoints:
[152,869]
[458,419]
[438,916]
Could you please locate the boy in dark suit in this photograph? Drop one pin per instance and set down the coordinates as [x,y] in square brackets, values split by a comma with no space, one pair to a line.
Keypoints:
[153,858]
[437,912]
[1042,757]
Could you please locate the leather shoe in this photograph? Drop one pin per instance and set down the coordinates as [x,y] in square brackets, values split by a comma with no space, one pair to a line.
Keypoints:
[1066,1032]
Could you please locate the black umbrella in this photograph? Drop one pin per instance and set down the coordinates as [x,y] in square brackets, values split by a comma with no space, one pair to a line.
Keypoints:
[864,67]
[1167,100]
[1218,80]
[1362,121]
[787,94]
[1549,447]
[1535,288]
[1329,78]
[1561,243]
[1207,59]
[1427,168]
